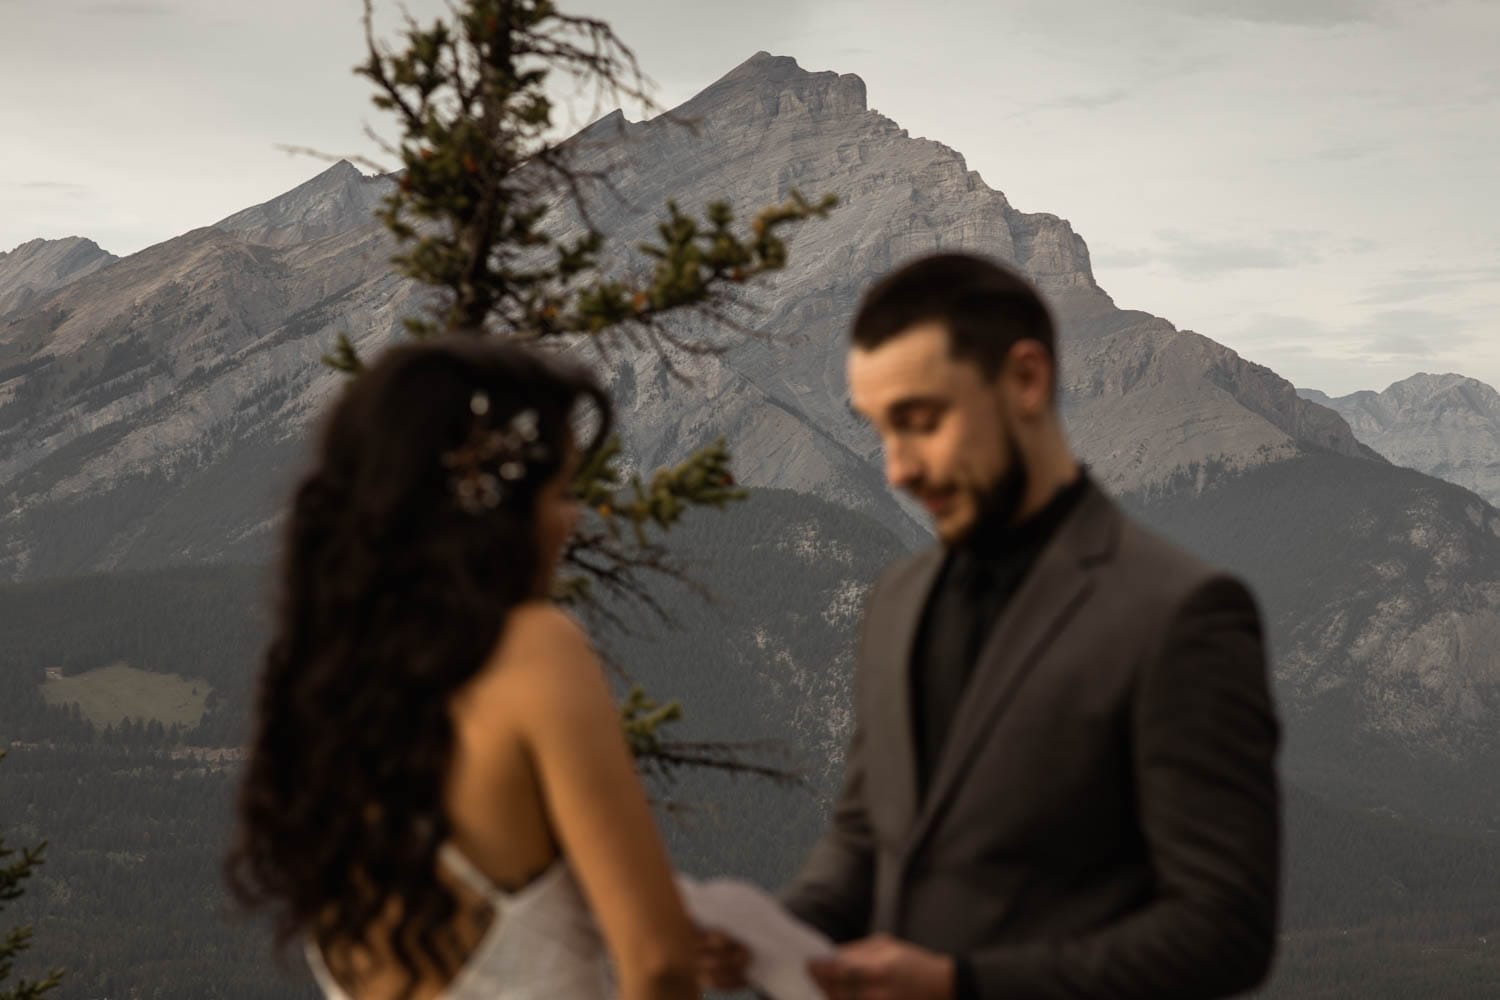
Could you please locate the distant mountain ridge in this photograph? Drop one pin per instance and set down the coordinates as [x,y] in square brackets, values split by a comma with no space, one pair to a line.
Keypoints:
[1447,426]
[154,411]
[1348,871]
[336,201]
[37,267]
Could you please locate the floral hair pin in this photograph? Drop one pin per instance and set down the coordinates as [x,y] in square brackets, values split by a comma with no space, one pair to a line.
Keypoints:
[493,459]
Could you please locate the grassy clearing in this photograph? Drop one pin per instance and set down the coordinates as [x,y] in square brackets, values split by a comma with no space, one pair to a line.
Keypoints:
[110,695]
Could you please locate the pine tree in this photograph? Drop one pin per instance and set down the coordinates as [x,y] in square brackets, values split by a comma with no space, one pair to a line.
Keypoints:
[17,940]
[470,210]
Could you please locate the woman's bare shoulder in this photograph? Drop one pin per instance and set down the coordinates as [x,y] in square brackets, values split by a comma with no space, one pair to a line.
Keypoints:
[543,627]
[543,670]
[544,653]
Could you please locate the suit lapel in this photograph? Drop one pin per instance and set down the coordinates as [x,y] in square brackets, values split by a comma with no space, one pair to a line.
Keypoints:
[893,644]
[1057,586]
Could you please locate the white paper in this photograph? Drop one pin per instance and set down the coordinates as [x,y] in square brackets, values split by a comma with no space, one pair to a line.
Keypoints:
[780,945]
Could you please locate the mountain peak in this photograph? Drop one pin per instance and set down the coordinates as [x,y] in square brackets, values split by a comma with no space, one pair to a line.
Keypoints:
[1432,381]
[774,85]
[66,244]
[334,201]
[763,65]
[341,174]
[39,266]
[1432,391]
[1446,425]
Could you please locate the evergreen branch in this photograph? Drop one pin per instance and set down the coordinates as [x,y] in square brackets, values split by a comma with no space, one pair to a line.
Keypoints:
[18,939]
[667,757]
[644,718]
[703,479]
[602,561]
[344,357]
[463,163]
[471,214]
[606,558]
[694,262]
[13,874]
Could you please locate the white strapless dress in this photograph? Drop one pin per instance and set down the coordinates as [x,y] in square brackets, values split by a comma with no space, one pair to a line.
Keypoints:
[542,943]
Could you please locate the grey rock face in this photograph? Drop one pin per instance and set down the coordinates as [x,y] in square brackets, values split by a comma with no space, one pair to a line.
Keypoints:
[1147,403]
[37,267]
[337,201]
[155,411]
[1381,588]
[184,378]
[1447,426]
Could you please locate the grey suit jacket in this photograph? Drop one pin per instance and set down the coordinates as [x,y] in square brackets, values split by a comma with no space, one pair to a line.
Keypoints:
[1104,818]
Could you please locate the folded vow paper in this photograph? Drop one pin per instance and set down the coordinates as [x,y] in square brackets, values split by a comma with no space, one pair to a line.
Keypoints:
[780,945]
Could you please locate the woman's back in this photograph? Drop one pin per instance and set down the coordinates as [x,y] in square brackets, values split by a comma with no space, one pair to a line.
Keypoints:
[494,795]
[420,701]
[531,744]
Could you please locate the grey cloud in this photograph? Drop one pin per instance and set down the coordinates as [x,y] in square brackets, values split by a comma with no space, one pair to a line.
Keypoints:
[1350,151]
[1216,258]
[1339,359]
[1346,152]
[1079,102]
[1486,86]
[1288,334]
[1391,333]
[1200,256]
[1412,333]
[1132,88]
[1304,13]
[128,8]
[55,189]
[1121,258]
[1408,286]
[1402,343]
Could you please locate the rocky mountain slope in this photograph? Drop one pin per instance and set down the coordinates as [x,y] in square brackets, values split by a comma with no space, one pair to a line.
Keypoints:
[1447,426]
[336,201]
[37,267]
[153,411]
[1145,400]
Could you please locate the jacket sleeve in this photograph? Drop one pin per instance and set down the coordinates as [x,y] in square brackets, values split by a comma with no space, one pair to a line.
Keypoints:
[1204,743]
[835,888]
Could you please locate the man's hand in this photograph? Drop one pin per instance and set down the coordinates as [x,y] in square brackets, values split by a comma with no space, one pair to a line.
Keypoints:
[883,968]
[722,961]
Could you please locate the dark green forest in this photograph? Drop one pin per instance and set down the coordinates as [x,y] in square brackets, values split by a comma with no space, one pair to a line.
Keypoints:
[129,900]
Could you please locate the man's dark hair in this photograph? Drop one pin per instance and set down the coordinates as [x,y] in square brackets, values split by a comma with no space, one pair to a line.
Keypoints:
[986,306]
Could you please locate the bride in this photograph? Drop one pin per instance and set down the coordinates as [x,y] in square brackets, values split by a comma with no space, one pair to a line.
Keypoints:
[439,800]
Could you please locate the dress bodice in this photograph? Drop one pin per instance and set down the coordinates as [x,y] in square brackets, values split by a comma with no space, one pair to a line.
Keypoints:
[541,943]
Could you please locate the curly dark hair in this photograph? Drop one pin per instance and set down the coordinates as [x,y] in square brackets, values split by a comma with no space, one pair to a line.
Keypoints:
[392,594]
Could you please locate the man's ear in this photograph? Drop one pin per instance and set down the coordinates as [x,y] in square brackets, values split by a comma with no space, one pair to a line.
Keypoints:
[1028,374]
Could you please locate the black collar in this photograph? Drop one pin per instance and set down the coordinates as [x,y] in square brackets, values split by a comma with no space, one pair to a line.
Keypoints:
[994,539]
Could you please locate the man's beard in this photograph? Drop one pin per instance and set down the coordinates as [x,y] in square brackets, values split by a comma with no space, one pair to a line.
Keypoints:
[996,508]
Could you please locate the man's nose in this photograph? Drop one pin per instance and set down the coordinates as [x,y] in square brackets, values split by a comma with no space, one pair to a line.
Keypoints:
[901,467]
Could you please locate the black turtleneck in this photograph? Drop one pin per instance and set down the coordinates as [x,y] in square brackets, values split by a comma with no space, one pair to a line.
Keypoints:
[979,576]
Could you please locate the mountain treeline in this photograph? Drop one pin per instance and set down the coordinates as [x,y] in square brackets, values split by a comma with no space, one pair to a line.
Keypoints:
[137,818]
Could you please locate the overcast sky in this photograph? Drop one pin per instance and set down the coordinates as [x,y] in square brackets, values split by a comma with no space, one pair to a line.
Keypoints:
[1312,182]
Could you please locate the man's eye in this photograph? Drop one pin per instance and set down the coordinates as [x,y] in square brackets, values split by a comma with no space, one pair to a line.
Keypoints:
[921,422]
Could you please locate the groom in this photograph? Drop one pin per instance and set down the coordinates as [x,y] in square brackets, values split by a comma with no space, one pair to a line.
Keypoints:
[1062,778]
